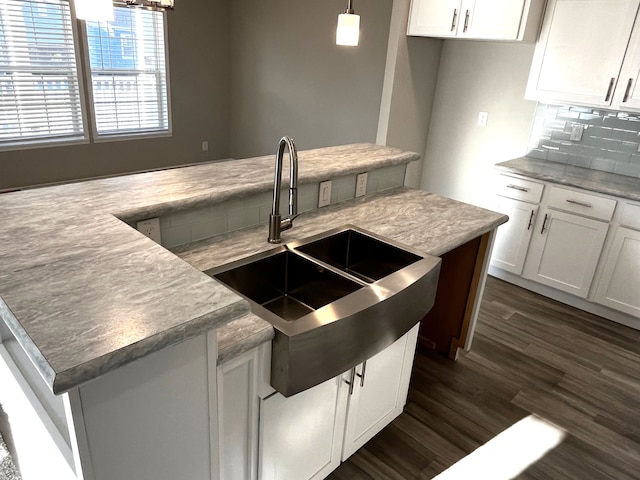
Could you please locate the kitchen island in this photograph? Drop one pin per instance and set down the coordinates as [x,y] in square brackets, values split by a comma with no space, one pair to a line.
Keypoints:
[103,327]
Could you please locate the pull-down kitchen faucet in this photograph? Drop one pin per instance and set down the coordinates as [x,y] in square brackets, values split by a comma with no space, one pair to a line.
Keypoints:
[276,224]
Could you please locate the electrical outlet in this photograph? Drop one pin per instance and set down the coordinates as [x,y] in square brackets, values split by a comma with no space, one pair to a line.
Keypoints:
[150,228]
[324,196]
[576,133]
[361,184]
[483,118]
[205,146]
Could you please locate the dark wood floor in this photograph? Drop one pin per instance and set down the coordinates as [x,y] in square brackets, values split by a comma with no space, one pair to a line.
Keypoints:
[529,355]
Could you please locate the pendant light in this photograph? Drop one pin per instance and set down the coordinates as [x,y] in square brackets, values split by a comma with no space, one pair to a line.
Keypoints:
[348,32]
[94,10]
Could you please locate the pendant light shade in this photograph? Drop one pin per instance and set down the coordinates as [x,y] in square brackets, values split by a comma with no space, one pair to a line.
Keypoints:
[94,10]
[348,32]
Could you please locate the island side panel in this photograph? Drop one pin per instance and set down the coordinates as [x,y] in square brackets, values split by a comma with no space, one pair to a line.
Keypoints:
[150,418]
[449,324]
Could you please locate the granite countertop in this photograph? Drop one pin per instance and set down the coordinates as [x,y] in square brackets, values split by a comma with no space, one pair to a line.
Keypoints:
[596,181]
[84,293]
[425,221]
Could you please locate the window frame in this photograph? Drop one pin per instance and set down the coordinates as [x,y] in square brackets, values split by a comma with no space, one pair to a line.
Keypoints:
[84,138]
[85,90]
[90,110]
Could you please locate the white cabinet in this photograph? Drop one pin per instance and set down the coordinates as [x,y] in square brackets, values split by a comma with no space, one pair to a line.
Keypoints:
[512,240]
[301,435]
[379,393]
[518,198]
[240,388]
[305,436]
[627,94]
[476,19]
[619,285]
[565,252]
[437,18]
[580,243]
[581,51]
[571,231]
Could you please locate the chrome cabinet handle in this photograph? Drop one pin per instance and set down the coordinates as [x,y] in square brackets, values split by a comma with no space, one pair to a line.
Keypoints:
[518,187]
[610,89]
[544,223]
[582,204]
[531,220]
[627,91]
[466,22]
[352,380]
[453,22]
[361,375]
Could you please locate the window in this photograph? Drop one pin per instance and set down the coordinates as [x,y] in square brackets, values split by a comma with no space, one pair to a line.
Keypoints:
[40,95]
[42,99]
[128,72]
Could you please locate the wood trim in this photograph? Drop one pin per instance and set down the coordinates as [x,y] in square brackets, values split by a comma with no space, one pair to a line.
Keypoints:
[450,323]
[475,289]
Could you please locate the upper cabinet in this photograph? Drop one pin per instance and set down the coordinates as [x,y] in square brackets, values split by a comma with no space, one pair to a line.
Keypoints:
[514,20]
[587,53]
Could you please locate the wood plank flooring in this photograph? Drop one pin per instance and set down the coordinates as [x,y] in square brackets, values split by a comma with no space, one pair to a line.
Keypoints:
[529,355]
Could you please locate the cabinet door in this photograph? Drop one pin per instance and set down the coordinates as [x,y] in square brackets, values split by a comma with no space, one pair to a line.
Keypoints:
[436,18]
[564,253]
[238,405]
[301,435]
[619,286]
[628,92]
[512,240]
[491,19]
[380,392]
[580,52]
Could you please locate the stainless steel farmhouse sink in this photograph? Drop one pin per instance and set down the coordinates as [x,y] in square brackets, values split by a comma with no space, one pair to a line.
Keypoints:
[288,285]
[334,299]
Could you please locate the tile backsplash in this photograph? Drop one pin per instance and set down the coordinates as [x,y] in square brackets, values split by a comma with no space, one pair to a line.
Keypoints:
[610,140]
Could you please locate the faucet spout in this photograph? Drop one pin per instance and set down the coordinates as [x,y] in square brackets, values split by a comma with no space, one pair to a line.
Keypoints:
[276,222]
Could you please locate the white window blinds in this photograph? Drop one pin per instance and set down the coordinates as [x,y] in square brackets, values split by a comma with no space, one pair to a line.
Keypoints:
[128,73]
[39,89]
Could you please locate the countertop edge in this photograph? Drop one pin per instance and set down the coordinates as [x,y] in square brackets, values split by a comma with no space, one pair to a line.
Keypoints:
[304,177]
[75,377]
[593,180]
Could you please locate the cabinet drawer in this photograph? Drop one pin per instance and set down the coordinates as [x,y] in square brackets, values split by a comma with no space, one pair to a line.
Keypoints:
[519,189]
[582,203]
[630,216]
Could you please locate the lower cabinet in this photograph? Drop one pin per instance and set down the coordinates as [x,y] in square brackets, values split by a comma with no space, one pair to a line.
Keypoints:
[512,239]
[301,435]
[379,392]
[564,253]
[238,408]
[618,287]
[307,435]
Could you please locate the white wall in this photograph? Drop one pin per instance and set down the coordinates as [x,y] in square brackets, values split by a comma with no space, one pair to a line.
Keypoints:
[473,77]
[289,77]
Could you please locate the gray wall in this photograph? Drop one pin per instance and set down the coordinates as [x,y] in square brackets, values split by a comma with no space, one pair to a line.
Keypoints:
[200,100]
[289,77]
[409,86]
[474,77]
